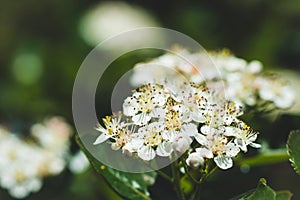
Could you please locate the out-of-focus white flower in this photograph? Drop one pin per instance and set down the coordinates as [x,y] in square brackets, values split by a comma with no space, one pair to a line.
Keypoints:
[79,163]
[180,66]
[241,81]
[53,134]
[20,172]
[273,90]
[294,82]
[24,164]
[111,18]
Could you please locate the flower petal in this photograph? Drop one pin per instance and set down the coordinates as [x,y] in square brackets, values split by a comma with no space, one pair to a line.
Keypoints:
[241,144]
[181,143]
[189,129]
[207,130]
[255,145]
[164,149]
[100,139]
[198,117]
[130,106]
[232,149]
[223,161]
[146,153]
[201,139]
[141,119]
[133,145]
[204,152]
[159,99]
[158,113]
[230,131]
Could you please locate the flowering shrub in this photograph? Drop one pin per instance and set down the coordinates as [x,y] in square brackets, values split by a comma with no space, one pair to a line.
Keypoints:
[192,111]
[23,168]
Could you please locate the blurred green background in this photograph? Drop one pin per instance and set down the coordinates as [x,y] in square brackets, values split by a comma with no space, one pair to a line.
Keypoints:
[41,49]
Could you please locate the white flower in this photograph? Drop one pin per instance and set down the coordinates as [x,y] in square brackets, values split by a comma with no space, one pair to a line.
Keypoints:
[22,168]
[197,158]
[79,163]
[240,80]
[143,103]
[194,160]
[53,133]
[192,100]
[108,19]
[222,113]
[272,89]
[149,73]
[204,152]
[215,143]
[244,136]
[112,127]
[179,66]
[149,142]
[18,171]
[182,140]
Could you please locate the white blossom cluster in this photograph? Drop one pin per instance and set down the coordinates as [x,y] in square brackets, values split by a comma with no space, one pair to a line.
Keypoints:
[243,81]
[23,163]
[163,118]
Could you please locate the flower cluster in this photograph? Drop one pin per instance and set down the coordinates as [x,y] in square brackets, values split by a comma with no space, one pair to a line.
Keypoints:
[23,164]
[242,81]
[163,118]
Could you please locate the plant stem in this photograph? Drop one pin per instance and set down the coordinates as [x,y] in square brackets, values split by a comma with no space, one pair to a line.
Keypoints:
[164,175]
[176,180]
[205,176]
[189,174]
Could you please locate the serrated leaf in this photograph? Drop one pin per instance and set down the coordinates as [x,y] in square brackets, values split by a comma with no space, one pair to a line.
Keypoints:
[293,147]
[129,185]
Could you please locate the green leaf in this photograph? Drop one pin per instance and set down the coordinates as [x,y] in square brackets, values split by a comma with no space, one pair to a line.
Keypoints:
[283,195]
[264,192]
[293,146]
[129,185]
